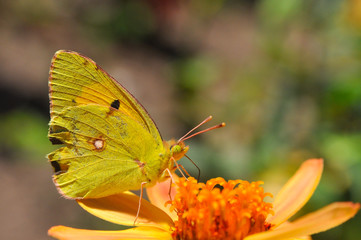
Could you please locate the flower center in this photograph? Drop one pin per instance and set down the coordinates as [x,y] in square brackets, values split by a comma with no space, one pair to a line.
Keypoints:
[219,209]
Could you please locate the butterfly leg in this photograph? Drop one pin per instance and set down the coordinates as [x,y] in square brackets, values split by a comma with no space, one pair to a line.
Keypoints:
[170,184]
[199,170]
[180,170]
[185,171]
[140,201]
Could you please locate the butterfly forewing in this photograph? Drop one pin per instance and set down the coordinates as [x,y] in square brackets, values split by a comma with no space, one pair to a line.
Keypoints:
[77,80]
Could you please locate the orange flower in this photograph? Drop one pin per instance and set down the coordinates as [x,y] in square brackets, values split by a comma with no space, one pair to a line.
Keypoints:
[216,210]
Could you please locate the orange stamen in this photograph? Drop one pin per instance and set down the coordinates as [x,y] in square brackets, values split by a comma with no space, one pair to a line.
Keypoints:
[219,209]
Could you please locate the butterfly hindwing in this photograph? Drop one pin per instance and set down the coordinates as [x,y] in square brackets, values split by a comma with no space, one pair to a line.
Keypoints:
[102,154]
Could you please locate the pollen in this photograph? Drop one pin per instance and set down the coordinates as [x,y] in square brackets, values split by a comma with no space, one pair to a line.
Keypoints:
[220,209]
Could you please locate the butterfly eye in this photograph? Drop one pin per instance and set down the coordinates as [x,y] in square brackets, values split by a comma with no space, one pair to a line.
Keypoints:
[176,149]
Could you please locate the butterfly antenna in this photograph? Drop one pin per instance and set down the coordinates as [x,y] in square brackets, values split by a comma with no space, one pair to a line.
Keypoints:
[203,122]
[199,170]
[205,130]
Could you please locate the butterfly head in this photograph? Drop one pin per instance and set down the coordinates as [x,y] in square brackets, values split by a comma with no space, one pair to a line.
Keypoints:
[178,150]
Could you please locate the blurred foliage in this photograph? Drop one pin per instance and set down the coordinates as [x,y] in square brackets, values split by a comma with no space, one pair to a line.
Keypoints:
[23,136]
[284,75]
[122,20]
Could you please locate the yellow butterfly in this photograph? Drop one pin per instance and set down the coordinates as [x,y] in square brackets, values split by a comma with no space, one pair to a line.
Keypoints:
[111,144]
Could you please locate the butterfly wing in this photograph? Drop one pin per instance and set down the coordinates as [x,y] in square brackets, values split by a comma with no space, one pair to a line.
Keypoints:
[77,80]
[111,143]
[104,153]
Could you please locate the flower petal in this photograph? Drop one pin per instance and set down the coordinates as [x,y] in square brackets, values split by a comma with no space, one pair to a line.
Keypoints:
[319,221]
[300,238]
[122,208]
[297,191]
[159,195]
[67,233]
[286,224]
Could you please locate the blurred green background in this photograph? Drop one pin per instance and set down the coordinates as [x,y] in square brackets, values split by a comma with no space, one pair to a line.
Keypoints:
[285,76]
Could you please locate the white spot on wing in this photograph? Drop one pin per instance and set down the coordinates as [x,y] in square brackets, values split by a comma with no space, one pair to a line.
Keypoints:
[98,144]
